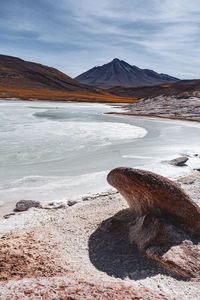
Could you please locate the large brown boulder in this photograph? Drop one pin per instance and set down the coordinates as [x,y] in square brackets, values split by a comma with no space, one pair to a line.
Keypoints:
[149,193]
[162,220]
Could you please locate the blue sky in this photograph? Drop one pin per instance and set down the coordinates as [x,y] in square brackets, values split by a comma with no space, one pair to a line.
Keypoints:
[74,36]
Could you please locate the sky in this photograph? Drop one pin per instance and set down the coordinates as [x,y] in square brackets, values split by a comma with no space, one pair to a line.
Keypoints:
[76,35]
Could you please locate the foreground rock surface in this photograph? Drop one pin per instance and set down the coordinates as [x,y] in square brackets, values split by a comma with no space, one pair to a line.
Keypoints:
[19,256]
[68,289]
[161,211]
[71,245]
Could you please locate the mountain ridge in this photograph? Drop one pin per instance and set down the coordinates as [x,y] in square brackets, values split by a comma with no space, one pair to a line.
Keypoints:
[180,89]
[16,72]
[120,73]
[29,80]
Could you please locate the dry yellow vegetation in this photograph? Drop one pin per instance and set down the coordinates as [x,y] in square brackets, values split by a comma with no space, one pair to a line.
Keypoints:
[53,95]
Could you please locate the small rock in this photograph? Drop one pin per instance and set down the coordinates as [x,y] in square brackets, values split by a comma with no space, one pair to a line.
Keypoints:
[187,242]
[164,220]
[72,202]
[179,161]
[197,169]
[23,205]
[103,194]
[86,198]
[8,215]
[54,205]
[189,181]
[59,206]
[47,207]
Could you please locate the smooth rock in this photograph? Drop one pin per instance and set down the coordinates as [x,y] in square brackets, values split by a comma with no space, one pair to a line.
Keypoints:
[179,161]
[23,205]
[58,206]
[87,198]
[159,213]
[72,202]
[148,193]
[54,205]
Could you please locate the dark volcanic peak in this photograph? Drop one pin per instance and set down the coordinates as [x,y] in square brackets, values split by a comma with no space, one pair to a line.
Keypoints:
[18,73]
[120,73]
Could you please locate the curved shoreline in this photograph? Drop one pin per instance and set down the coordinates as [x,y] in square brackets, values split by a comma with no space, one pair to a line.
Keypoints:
[155,117]
[165,107]
[6,208]
[112,104]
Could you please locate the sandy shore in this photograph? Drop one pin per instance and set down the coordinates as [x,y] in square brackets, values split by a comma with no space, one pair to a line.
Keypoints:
[67,242]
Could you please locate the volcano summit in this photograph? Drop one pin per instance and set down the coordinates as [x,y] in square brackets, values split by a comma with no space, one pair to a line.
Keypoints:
[120,73]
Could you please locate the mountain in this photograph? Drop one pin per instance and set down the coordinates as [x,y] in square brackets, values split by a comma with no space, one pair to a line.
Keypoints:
[15,72]
[179,89]
[27,80]
[120,73]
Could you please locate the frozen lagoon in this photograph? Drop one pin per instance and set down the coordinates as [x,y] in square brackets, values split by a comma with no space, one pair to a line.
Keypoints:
[56,151]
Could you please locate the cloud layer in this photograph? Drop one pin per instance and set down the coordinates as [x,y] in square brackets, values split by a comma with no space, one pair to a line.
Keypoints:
[74,36]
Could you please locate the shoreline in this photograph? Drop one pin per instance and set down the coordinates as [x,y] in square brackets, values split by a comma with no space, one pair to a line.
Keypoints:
[7,207]
[154,117]
[112,104]
[70,245]
[123,105]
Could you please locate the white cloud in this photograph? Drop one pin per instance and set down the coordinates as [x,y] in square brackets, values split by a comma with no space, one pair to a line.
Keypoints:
[158,34]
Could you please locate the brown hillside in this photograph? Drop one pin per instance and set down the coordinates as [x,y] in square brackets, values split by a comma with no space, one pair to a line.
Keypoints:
[28,80]
[15,72]
[180,89]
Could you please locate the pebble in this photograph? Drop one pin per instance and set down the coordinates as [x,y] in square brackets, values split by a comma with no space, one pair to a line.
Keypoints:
[72,202]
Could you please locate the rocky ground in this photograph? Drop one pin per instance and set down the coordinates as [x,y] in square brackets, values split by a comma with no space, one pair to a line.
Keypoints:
[67,242]
[69,289]
[167,107]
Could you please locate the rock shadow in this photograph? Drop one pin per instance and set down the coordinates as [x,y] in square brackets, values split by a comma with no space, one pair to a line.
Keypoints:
[111,252]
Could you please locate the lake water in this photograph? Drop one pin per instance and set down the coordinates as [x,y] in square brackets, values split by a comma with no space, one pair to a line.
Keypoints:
[55,151]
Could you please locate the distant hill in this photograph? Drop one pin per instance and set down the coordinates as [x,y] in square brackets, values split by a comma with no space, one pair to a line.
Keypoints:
[27,80]
[179,89]
[120,73]
[15,72]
